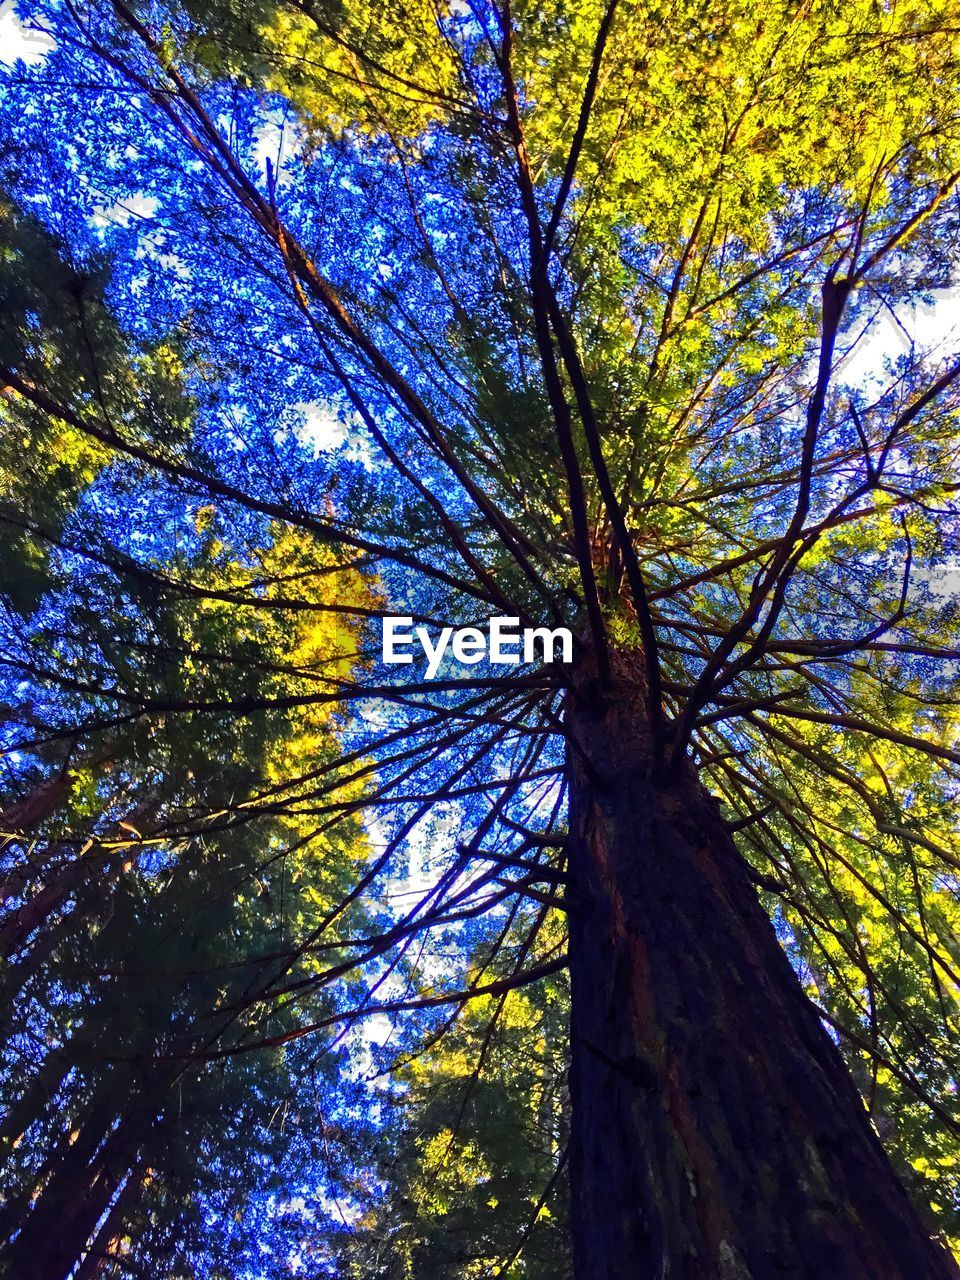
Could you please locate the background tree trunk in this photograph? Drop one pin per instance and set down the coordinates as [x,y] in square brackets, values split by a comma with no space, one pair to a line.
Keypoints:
[716,1131]
[103,1248]
[57,1229]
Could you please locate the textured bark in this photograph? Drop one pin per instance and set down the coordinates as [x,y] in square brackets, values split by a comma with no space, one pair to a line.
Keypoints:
[34,1211]
[103,1248]
[716,1131]
[56,1231]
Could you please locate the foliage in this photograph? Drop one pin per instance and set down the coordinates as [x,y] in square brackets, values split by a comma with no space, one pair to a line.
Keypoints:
[550,311]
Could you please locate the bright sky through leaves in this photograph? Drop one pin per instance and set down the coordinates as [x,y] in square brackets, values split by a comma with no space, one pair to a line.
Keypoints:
[634,318]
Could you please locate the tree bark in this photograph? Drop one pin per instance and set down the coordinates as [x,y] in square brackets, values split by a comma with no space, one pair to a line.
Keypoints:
[55,1233]
[17,927]
[716,1132]
[103,1248]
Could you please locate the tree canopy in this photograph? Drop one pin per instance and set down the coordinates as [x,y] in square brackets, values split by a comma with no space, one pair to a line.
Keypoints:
[317,313]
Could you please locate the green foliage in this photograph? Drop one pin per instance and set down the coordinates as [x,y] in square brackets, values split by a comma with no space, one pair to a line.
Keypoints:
[343,66]
[57,328]
[138,938]
[474,1139]
[734,171]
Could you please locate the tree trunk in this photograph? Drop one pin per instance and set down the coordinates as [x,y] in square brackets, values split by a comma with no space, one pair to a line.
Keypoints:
[36,1208]
[716,1132]
[17,927]
[103,1248]
[33,1101]
[56,1231]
